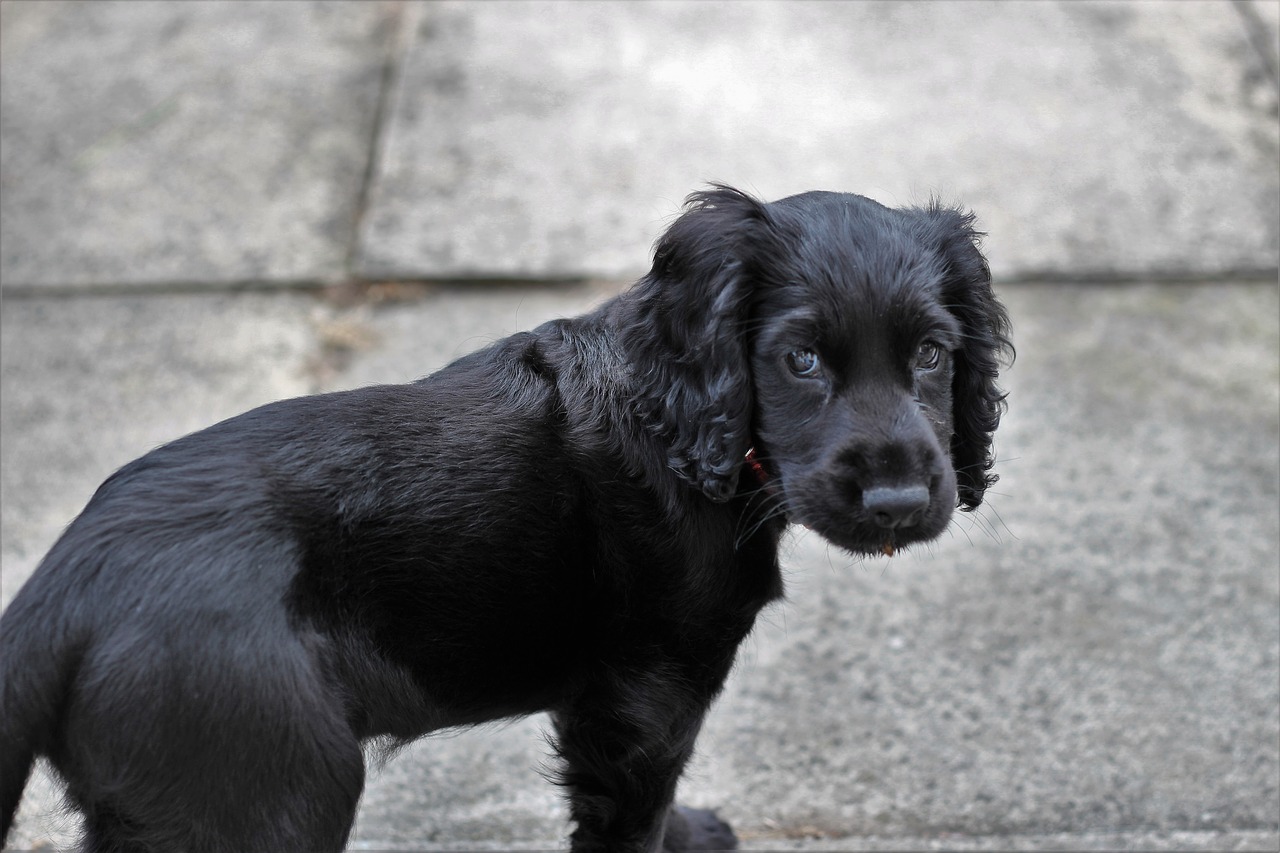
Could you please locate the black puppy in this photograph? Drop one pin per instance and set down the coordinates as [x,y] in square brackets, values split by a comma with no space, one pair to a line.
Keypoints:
[582,519]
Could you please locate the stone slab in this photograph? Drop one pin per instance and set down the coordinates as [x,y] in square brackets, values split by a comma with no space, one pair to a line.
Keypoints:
[194,142]
[1093,139]
[1090,662]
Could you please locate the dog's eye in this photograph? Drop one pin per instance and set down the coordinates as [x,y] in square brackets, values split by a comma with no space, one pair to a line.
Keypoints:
[928,355]
[804,362]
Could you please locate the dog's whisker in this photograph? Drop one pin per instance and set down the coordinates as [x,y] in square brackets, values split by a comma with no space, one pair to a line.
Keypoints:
[983,523]
[989,507]
[957,525]
[779,510]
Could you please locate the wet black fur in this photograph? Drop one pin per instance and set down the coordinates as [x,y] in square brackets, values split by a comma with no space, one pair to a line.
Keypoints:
[560,522]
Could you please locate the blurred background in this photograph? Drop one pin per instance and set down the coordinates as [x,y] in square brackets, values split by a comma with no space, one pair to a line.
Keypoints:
[205,206]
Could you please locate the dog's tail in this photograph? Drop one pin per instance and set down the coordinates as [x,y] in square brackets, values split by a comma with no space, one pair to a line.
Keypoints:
[36,657]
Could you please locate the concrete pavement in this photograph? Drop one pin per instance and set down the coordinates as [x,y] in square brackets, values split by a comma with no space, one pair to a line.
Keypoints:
[209,206]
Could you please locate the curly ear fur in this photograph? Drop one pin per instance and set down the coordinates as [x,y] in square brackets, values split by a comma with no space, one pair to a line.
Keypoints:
[687,338]
[979,402]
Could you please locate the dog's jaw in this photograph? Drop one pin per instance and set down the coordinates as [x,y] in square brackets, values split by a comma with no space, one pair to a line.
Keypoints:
[815,502]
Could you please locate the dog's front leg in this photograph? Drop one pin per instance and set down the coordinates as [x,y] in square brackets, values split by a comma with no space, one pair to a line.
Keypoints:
[624,750]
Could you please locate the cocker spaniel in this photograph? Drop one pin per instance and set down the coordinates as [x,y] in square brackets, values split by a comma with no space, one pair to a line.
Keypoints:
[582,519]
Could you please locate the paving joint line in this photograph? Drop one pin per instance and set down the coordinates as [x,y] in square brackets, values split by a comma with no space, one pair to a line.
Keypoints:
[1260,275]
[395,49]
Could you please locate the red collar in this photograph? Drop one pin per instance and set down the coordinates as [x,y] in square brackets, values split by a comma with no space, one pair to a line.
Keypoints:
[757,467]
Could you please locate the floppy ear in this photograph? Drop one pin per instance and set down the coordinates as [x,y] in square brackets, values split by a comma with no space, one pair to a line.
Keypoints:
[686,338]
[978,402]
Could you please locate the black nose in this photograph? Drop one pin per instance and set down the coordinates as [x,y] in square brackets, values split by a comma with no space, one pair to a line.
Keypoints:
[896,506]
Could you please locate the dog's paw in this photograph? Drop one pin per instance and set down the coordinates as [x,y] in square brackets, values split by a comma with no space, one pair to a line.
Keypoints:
[697,829]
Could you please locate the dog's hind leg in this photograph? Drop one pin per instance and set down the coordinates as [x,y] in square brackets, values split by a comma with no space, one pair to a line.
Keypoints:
[293,812]
[210,747]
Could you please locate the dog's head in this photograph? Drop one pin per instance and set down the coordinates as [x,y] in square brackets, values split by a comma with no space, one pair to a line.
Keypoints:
[853,346]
